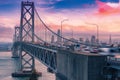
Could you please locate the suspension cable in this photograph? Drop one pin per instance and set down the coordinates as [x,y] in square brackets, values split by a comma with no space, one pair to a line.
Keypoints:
[53,31]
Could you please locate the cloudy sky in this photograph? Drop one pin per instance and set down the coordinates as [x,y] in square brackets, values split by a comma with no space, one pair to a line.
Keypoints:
[81,15]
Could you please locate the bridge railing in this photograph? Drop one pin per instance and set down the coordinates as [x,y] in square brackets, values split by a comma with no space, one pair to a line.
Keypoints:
[113,60]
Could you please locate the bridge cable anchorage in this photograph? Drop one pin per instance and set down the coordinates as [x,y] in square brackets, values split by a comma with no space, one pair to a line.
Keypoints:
[53,31]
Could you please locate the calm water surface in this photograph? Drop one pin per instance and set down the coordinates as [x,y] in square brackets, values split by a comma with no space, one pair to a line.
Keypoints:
[9,65]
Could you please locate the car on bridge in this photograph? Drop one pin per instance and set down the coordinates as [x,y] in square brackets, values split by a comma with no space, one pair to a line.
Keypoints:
[94,50]
[109,51]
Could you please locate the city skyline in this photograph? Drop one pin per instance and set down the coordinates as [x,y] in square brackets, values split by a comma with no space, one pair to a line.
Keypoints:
[104,13]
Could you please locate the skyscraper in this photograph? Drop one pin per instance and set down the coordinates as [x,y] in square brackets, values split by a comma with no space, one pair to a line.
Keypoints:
[52,39]
[59,39]
[87,41]
[81,40]
[110,40]
[93,39]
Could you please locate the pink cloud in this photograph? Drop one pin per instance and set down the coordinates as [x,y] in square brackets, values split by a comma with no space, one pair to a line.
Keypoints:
[107,8]
[9,21]
[6,34]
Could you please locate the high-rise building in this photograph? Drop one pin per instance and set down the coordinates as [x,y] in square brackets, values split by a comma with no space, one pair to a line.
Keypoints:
[93,39]
[87,41]
[52,39]
[81,40]
[110,40]
[59,39]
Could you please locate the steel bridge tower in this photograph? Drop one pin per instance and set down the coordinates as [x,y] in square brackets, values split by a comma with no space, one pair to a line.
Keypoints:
[15,51]
[27,35]
[17,34]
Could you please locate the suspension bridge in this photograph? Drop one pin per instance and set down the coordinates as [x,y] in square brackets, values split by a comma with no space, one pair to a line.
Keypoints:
[31,42]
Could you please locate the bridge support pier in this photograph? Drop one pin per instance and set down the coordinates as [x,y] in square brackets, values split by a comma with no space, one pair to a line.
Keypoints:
[82,66]
[15,53]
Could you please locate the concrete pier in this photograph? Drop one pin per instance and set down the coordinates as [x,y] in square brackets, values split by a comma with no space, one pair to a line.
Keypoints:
[79,66]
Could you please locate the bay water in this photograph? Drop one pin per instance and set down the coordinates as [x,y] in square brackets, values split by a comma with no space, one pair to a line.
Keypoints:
[9,65]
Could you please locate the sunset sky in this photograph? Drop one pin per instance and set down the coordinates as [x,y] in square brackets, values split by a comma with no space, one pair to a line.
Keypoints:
[81,14]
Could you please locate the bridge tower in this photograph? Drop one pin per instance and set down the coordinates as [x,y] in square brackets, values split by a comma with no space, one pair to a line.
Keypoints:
[17,34]
[15,51]
[27,35]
